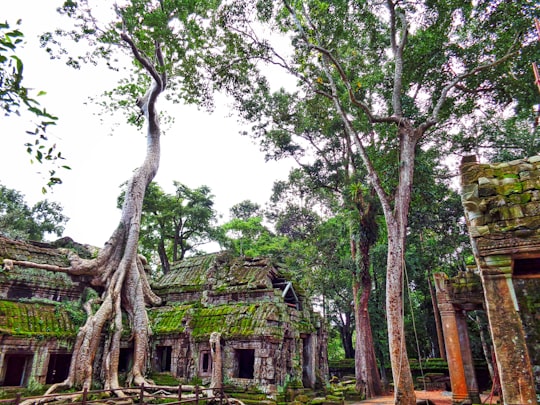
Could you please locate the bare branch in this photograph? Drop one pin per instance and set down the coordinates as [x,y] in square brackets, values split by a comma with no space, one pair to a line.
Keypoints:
[351,132]
[454,82]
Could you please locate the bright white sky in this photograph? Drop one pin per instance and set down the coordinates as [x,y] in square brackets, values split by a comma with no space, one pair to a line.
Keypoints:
[199,149]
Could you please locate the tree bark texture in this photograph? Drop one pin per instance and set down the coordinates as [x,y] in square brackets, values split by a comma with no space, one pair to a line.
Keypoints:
[368,381]
[217,363]
[346,334]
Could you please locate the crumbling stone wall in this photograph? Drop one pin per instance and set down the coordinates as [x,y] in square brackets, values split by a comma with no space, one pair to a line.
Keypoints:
[502,210]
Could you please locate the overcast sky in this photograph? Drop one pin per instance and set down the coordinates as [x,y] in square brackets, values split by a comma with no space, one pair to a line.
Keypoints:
[199,149]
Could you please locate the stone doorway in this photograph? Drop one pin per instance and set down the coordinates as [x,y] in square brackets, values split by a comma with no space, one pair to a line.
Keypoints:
[17,369]
[307,363]
[58,368]
[245,359]
[164,358]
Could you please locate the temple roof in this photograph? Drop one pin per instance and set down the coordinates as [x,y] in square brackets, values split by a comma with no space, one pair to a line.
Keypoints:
[35,319]
[219,271]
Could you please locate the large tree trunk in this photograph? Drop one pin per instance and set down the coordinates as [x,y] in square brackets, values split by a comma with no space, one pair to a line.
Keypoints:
[120,271]
[396,223]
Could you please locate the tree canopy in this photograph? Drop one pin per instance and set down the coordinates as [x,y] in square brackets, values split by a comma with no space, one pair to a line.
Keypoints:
[379,85]
[18,220]
[174,225]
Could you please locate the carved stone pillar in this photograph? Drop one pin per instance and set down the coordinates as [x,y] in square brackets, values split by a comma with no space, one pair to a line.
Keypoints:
[466,355]
[460,394]
[515,371]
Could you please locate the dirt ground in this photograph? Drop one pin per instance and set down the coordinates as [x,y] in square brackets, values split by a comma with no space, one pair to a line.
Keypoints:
[437,397]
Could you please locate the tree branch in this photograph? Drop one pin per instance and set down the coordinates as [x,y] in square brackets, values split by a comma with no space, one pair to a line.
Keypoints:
[398,60]
[326,53]
[454,82]
[143,60]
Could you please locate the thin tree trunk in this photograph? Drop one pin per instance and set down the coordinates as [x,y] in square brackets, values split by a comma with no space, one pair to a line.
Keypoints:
[346,335]
[166,267]
[368,381]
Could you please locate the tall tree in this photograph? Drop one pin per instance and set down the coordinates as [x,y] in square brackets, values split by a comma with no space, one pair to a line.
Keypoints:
[394,72]
[166,41]
[334,176]
[175,224]
[18,220]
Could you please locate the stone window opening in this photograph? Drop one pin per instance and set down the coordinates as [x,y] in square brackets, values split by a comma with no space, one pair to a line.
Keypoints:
[526,267]
[58,368]
[245,361]
[205,363]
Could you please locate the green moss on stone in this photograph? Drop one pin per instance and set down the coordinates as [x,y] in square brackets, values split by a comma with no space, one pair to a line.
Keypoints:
[40,320]
[168,319]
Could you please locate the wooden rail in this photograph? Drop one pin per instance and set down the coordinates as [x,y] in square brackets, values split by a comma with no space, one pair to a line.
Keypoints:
[138,395]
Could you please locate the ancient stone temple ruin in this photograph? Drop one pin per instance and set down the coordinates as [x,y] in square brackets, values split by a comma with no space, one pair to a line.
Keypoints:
[502,209]
[245,310]
[269,333]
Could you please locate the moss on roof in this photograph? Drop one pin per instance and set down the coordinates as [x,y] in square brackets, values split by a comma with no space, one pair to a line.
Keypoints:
[36,277]
[189,274]
[169,319]
[35,319]
[220,270]
[231,320]
[36,252]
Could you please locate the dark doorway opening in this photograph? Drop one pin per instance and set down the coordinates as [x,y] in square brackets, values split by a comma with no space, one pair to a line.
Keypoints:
[307,360]
[246,363]
[18,367]
[58,368]
[205,365]
[526,268]
[164,358]
[125,360]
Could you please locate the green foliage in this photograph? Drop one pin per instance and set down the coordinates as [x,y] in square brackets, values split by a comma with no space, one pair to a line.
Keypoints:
[250,237]
[245,210]
[18,220]
[182,30]
[335,348]
[16,98]
[498,138]
[370,77]
[164,379]
[175,224]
